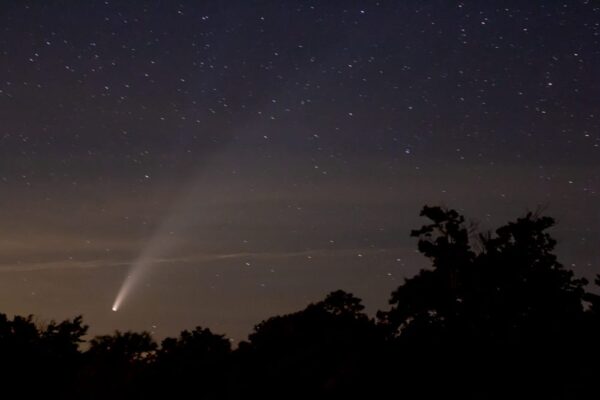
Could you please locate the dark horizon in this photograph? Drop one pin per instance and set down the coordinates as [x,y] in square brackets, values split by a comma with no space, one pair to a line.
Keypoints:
[495,315]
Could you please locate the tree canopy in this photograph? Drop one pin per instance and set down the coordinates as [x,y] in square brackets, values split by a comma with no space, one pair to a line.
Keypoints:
[495,316]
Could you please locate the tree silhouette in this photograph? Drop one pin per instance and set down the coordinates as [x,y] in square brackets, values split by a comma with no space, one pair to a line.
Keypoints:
[496,316]
[49,356]
[594,300]
[511,299]
[118,364]
[197,359]
[323,349]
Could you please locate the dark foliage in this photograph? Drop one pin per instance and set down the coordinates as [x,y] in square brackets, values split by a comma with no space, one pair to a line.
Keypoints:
[328,348]
[47,356]
[197,359]
[497,316]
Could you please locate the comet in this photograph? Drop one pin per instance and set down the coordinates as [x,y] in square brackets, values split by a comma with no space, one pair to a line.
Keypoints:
[160,243]
[186,212]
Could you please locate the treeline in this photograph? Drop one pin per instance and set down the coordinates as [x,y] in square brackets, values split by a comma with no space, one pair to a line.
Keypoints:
[496,317]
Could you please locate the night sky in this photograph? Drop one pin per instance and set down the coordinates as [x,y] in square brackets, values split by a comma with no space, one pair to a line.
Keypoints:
[256,155]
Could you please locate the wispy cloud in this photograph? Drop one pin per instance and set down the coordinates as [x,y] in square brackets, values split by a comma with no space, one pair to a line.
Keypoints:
[197,259]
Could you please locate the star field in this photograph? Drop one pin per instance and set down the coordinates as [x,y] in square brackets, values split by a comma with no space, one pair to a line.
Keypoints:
[275,151]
